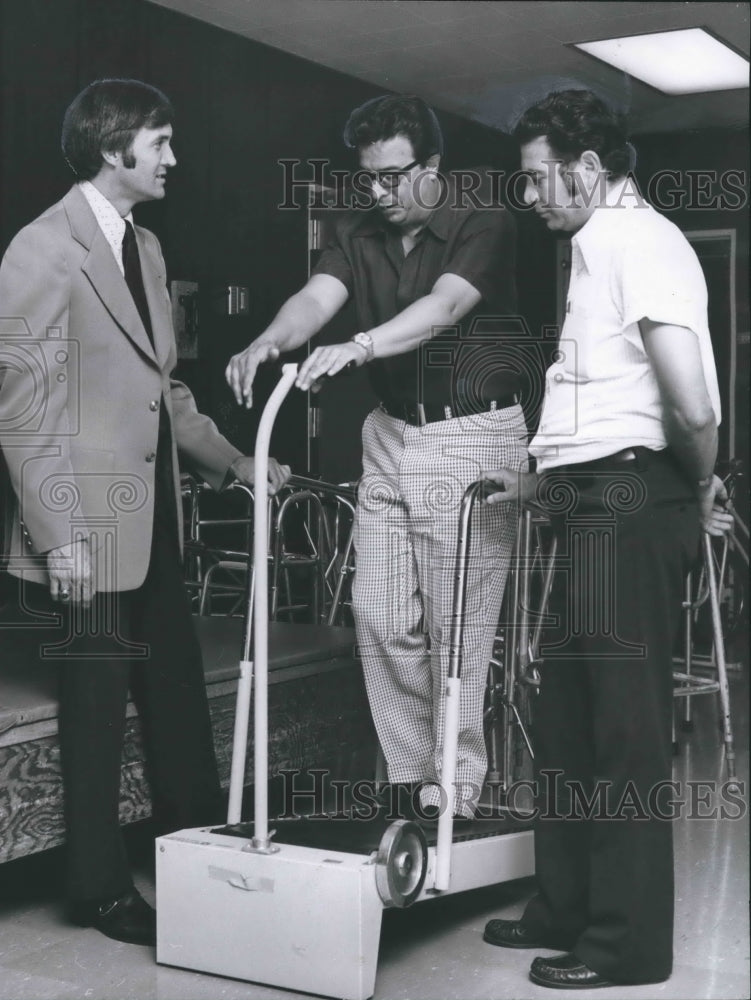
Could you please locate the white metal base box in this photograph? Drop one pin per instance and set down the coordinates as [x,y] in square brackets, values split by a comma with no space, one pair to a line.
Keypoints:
[302,918]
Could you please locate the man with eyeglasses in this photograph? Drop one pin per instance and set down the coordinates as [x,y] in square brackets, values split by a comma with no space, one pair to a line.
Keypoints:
[421,265]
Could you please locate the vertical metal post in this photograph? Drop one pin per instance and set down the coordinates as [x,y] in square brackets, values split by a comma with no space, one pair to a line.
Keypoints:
[688,645]
[261,607]
[242,713]
[511,659]
[719,653]
[453,693]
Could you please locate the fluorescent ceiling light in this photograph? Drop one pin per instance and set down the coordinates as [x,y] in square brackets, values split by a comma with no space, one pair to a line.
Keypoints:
[685,61]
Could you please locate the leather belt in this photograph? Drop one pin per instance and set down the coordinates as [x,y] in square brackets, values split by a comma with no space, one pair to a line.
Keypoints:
[419,414]
[624,455]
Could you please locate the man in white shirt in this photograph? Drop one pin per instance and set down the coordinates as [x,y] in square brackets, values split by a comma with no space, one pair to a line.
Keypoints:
[626,448]
[91,425]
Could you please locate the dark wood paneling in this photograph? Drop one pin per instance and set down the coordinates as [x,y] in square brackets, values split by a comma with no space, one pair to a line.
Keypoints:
[109,36]
[39,66]
[715,153]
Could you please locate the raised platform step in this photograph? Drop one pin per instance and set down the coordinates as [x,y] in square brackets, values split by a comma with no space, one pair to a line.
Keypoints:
[319,718]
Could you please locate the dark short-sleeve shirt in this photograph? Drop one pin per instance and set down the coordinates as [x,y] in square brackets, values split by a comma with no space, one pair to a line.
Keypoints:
[458,366]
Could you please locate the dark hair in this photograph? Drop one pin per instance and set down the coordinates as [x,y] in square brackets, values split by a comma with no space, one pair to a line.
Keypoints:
[575,120]
[388,116]
[105,118]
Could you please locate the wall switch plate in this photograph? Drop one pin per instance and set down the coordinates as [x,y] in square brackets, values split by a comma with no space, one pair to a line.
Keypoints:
[238,300]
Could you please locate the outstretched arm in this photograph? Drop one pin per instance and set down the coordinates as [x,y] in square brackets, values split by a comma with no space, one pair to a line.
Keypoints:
[299,319]
[481,266]
[451,298]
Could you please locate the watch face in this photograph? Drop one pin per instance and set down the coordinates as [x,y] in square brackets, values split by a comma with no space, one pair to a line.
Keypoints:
[365,342]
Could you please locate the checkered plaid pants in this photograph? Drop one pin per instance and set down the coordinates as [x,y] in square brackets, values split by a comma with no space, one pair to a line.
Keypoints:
[405,540]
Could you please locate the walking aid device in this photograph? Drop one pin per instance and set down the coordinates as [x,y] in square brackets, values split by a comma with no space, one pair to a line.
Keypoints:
[689,683]
[300,907]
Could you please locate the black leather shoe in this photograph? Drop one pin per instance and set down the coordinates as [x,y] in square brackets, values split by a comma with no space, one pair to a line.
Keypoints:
[127,918]
[428,813]
[510,934]
[566,972]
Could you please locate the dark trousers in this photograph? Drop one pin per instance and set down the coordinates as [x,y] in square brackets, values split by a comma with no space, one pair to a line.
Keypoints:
[169,691]
[603,745]
[142,640]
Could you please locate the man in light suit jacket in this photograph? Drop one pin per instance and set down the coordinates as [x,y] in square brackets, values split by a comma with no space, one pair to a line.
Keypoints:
[92,428]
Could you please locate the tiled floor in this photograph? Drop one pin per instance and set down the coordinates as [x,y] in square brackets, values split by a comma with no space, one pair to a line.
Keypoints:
[433,951]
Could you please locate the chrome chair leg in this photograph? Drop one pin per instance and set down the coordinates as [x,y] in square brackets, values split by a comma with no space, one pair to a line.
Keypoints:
[713,678]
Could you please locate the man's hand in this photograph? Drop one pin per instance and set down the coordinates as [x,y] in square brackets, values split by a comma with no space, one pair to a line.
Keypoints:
[713,499]
[244,468]
[328,361]
[517,487]
[241,370]
[71,574]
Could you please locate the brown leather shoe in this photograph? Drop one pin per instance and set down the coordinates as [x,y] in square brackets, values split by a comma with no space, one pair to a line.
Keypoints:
[510,934]
[565,972]
[126,918]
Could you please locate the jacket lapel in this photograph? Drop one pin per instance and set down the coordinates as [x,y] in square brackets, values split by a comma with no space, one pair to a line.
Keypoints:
[154,278]
[102,271]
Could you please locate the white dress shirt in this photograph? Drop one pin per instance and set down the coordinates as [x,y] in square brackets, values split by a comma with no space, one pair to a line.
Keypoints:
[110,221]
[628,263]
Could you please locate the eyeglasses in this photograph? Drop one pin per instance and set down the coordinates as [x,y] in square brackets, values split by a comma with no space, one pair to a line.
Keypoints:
[388,179]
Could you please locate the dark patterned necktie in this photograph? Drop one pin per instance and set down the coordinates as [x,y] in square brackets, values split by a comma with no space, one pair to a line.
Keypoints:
[134,277]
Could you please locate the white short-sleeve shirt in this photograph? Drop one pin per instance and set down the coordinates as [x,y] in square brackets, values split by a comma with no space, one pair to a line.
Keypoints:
[628,263]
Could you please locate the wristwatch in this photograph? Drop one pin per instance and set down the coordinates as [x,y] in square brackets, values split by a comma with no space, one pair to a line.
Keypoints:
[365,341]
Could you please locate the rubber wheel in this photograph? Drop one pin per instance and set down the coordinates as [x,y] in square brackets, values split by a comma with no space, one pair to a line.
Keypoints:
[401,863]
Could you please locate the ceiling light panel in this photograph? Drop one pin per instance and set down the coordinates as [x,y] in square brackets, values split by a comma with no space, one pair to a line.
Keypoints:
[685,61]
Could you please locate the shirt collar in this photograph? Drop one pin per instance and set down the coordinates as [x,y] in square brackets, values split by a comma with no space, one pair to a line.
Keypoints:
[111,223]
[619,197]
[438,221]
[440,218]
[103,208]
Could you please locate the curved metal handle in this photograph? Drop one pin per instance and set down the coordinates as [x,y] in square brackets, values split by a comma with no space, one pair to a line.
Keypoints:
[261,608]
[255,673]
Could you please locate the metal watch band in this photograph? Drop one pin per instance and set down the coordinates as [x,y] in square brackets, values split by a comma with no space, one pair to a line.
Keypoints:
[365,341]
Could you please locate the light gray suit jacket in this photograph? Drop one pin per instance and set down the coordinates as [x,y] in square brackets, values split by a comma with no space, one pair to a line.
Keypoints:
[79,400]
